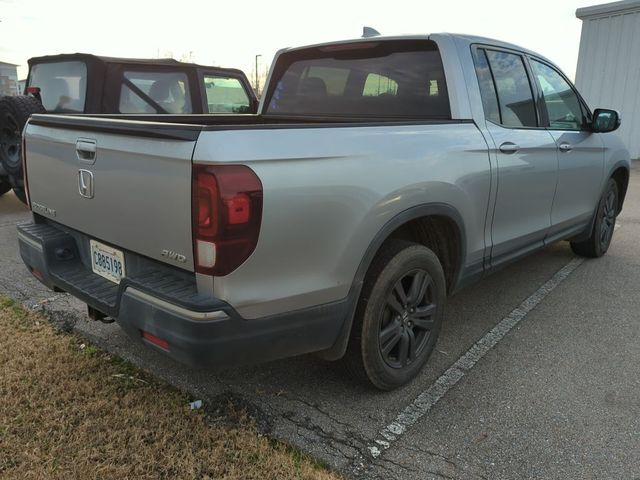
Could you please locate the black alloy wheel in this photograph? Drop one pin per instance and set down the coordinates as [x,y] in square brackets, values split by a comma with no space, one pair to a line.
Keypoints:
[608,219]
[398,316]
[408,318]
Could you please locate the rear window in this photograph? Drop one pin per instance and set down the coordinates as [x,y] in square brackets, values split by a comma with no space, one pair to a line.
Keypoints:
[63,85]
[391,79]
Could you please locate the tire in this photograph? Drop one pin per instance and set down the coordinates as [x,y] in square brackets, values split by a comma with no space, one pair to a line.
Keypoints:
[396,327]
[14,113]
[598,242]
[4,187]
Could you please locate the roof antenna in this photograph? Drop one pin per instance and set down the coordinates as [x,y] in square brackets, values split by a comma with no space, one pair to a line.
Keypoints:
[369,32]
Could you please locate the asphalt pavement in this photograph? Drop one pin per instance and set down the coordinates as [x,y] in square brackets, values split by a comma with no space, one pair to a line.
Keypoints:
[535,374]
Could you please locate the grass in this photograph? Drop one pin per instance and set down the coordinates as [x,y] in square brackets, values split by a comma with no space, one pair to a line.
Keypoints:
[71,411]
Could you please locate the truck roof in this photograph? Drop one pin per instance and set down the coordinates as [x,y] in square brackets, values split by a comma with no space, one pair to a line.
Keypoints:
[469,39]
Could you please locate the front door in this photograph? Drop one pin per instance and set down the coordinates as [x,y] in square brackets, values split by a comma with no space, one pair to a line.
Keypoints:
[580,152]
[525,154]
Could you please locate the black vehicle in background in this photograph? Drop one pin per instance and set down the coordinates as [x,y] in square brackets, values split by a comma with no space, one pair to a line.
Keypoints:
[83,83]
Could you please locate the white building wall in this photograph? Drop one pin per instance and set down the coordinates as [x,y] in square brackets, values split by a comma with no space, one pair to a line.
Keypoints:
[608,72]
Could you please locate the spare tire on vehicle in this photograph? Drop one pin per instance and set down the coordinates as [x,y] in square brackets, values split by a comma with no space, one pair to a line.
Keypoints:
[14,113]
[5,186]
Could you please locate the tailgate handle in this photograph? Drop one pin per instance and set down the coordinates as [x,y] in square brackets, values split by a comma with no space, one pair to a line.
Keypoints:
[86,150]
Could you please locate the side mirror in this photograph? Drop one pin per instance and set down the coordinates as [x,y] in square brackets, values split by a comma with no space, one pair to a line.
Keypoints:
[605,120]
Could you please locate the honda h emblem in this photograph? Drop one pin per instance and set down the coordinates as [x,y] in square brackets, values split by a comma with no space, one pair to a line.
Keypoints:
[85,183]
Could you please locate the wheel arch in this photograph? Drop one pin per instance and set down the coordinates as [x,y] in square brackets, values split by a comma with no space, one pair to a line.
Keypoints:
[414,224]
[620,173]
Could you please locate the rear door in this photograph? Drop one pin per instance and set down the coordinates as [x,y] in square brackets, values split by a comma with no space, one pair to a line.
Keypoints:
[124,183]
[525,153]
[580,152]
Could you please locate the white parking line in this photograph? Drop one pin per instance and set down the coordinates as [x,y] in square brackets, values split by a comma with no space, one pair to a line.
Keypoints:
[428,398]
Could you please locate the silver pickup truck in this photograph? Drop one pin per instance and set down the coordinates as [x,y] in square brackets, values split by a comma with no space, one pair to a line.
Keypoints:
[379,176]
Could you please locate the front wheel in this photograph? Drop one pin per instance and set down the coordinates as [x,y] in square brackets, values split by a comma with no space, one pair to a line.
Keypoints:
[398,317]
[598,242]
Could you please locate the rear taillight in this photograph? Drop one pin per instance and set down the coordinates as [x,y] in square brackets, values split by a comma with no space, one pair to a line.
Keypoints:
[33,90]
[23,156]
[227,211]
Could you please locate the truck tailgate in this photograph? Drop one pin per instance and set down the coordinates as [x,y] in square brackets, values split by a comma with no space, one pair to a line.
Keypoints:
[125,183]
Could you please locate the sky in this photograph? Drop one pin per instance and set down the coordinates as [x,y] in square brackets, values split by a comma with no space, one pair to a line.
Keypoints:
[230,34]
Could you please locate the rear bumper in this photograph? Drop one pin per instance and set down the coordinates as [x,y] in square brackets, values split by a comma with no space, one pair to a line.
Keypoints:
[201,331]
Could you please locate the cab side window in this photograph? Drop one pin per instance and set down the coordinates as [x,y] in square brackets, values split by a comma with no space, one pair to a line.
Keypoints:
[515,96]
[487,87]
[563,105]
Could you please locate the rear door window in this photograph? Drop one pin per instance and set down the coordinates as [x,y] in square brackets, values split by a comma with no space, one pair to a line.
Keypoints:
[487,86]
[63,85]
[226,95]
[155,92]
[515,96]
[384,80]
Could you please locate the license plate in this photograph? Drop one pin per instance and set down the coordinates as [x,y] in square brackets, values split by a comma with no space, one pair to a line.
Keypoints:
[107,261]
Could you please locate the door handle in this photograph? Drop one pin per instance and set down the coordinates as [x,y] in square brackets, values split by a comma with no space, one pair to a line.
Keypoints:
[86,150]
[565,147]
[509,148]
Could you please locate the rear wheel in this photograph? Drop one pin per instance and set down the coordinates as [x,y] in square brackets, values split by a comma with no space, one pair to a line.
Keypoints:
[598,242]
[14,113]
[398,317]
